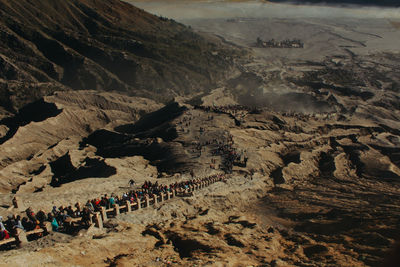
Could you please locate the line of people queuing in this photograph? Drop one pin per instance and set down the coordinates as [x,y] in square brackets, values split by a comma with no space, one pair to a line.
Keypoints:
[147,190]
[62,218]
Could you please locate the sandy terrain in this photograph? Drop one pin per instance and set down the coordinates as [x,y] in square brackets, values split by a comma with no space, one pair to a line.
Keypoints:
[311,186]
[320,186]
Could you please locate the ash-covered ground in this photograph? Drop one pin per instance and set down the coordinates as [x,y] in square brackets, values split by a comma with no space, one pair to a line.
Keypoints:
[319,127]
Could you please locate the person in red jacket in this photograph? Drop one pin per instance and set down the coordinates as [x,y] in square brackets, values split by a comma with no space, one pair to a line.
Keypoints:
[3,232]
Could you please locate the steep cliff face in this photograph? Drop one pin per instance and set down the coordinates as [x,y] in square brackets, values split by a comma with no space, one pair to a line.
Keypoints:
[103,45]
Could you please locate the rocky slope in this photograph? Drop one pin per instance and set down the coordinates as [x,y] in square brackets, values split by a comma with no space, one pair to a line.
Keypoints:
[315,191]
[317,183]
[103,45]
[52,127]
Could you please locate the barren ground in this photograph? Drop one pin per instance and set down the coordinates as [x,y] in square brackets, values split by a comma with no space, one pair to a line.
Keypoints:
[321,186]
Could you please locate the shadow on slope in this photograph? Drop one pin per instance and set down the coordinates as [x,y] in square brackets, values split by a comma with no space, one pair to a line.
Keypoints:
[155,124]
[143,139]
[167,157]
[34,112]
[65,172]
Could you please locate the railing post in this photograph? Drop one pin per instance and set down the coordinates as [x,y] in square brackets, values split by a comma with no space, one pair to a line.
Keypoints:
[139,203]
[104,213]
[98,221]
[155,198]
[162,197]
[168,195]
[116,210]
[21,237]
[79,207]
[47,228]
[173,193]
[128,206]
[147,201]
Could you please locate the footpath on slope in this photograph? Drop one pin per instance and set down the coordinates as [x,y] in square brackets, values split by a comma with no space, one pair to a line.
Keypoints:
[94,213]
[97,211]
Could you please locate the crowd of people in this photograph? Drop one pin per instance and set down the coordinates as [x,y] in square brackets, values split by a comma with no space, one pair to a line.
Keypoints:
[31,221]
[184,123]
[229,154]
[147,190]
[224,148]
[69,220]
[225,109]
[237,112]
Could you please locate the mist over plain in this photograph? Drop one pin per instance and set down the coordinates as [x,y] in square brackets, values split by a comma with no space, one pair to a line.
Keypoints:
[256,9]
